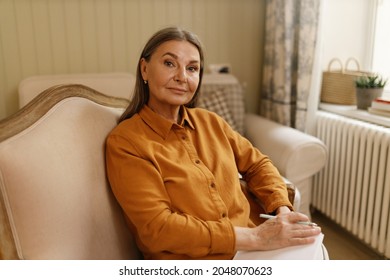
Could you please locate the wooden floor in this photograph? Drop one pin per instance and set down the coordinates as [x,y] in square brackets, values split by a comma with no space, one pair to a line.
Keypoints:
[342,245]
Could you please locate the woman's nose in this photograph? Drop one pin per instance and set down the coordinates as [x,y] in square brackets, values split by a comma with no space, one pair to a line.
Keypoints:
[181,75]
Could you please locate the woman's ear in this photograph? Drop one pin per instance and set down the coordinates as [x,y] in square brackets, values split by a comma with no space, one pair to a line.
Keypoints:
[143,69]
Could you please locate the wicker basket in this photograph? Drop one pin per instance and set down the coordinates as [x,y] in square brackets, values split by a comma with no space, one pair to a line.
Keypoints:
[338,86]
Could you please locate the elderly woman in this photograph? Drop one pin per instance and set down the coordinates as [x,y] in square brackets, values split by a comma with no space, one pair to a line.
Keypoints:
[174,168]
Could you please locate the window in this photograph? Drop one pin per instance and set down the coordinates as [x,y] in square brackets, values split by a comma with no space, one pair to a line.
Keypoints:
[381,44]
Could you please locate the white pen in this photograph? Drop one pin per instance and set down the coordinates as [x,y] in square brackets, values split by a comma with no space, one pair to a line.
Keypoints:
[266,216]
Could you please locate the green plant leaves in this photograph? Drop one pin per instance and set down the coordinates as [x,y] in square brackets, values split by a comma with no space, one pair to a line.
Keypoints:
[375,81]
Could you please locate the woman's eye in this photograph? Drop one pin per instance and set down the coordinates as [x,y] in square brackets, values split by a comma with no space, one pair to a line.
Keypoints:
[168,63]
[193,69]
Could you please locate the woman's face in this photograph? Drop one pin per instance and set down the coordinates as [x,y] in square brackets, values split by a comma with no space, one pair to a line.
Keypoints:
[172,74]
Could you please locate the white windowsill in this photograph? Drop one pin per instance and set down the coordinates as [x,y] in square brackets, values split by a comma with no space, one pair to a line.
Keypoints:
[352,112]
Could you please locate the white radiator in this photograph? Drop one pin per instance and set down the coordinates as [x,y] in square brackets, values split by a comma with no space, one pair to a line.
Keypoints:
[354,187]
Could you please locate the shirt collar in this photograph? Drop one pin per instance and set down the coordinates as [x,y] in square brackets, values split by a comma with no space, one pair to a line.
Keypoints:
[162,126]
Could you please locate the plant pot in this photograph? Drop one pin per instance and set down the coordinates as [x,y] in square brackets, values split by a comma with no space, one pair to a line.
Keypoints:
[365,96]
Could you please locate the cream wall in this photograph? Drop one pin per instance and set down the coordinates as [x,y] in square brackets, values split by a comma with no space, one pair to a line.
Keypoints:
[39,37]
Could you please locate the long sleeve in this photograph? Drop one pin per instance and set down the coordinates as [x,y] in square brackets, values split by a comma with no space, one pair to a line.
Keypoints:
[262,177]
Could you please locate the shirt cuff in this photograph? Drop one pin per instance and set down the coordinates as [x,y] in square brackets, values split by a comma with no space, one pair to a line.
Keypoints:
[223,240]
[275,201]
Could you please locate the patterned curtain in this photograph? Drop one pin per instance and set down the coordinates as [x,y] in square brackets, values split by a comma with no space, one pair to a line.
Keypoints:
[290,42]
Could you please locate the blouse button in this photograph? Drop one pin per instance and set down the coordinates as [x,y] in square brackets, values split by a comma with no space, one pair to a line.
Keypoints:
[183,137]
[197,161]
[212,185]
[223,215]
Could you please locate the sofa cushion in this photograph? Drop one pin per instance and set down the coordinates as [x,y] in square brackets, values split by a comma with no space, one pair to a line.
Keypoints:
[216,102]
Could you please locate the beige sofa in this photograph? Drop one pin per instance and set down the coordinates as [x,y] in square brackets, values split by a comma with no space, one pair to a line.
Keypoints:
[297,155]
[55,201]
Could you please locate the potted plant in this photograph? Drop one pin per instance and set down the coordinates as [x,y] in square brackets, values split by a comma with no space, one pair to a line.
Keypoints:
[368,88]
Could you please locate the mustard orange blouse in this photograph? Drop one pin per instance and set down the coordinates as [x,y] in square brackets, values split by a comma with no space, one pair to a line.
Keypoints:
[178,185]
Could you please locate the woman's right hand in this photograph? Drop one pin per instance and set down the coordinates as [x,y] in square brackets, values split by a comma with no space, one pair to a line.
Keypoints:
[280,232]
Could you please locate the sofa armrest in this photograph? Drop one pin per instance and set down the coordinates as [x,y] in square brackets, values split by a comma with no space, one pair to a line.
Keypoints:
[297,155]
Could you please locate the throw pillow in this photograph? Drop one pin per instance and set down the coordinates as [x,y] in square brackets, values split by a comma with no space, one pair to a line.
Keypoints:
[216,102]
